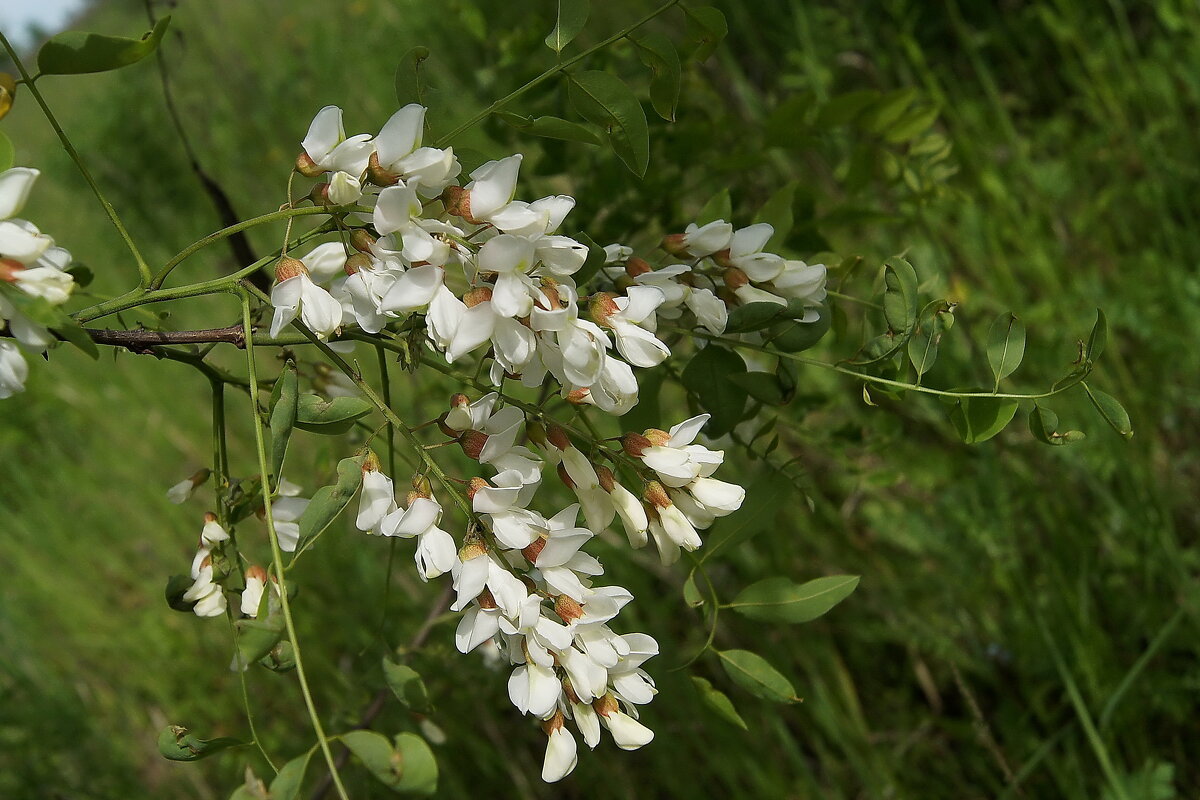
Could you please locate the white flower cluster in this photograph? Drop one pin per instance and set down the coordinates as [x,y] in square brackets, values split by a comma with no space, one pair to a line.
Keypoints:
[523,580]
[30,262]
[490,271]
[206,593]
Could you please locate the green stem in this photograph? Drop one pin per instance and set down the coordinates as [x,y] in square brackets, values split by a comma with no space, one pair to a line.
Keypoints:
[550,73]
[277,554]
[143,267]
[875,379]
[275,216]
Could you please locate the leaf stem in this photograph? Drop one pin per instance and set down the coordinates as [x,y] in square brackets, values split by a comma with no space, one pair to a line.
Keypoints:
[277,554]
[30,82]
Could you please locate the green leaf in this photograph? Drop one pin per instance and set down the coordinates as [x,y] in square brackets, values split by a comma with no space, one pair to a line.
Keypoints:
[550,127]
[888,110]
[286,785]
[376,753]
[1006,345]
[845,108]
[1043,424]
[708,375]
[76,52]
[177,586]
[7,152]
[420,774]
[659,54]
[405,682]
[900,295]
[283,416]
[762,386]
[936,318]
[795,337]
[706,28]
[572,16]
[605,100]
[1098,338]
[978,419]
[719,206]
[73,333]
[777,212]
[328,501]
[753,317]
[82,274]
[257,637]
[410,87]
[718,702]
[763,501]
[779,599]
[177,744]
[912,124]
[1113,412]
[691,592]
[318,415]
[591,264]
[753,673]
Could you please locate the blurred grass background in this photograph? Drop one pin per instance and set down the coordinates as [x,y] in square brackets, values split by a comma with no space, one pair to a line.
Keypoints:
[1026,622]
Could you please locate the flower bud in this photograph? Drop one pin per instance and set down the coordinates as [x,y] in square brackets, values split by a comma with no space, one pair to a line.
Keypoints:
[637,266]
[533,550]
[480,294]
[255,572]
[472,443]
[475,485]
[635,444]
[371,462]
[486,600]
[319,194]
[471,549]
[307,167]
[379,176]
[554,723]
[675,244]
[602,306]
[605,705]
[356,262]
[578,397]
[656,495]
[567,608]
[565,477]
[362,241]
[735,279]
[605,476]
[569,691]
[9,269]
[457,202]
[722,258]
[289,268]
[658,438]
[550,289]
[558,437]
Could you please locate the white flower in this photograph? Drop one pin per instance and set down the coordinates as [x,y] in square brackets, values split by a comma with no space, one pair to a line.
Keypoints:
[13,370]
[326,144]
[296,295]
[709,309]
[627,732]
[325,261]
[704,240]
[492,186]
[285,512]
[673,456]
[208,598]
[256,583]
[534,689]
[435,554]
[181,491]
[561,757]
[745,253]
[632,321]
[212,533]
[718,497]
[15,186]
[632,514]
[377,498]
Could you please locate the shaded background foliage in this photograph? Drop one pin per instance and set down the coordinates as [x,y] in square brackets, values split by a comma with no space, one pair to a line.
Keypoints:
[998,580]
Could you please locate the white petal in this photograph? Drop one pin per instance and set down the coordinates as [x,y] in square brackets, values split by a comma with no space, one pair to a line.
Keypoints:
[15,185]
[400,135]
[561,757]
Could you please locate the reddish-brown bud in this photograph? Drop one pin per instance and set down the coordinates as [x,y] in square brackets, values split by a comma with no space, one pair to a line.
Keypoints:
[307,167]
[356,262]
[319,194]
[602,306]
[675,244]
[605,705]
[457,202]
[446,429]
[474,485]
[459,400]
[567,608]
[554,723]
[722,258]
[289,268]
[255,571]
[578,397]
[558,437]
[605,476]
[533,550]
[656,495]
[637,266]
[362,241]
[209,517]
[565,477]
[472,548]
[480,294]
[735,279]
[472,443]
[570,692]
[635,444]
[378,175]
[486,599]
[658,438]
[550,289]
[9,269]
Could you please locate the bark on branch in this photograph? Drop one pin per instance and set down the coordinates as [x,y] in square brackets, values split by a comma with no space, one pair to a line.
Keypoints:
[141,341]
